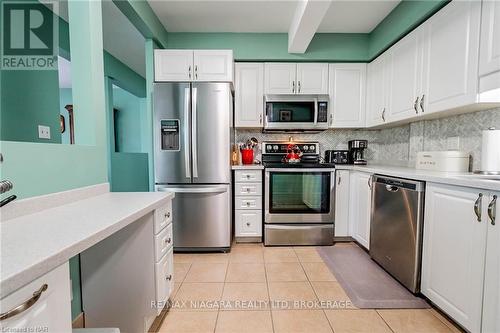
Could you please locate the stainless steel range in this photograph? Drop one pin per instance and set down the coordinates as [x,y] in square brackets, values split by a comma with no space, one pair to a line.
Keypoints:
[299,196]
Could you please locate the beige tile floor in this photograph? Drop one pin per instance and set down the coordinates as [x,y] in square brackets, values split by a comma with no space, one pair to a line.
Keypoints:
[258,289]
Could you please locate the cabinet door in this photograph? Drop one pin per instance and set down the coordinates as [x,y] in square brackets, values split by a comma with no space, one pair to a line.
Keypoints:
[453,253]
[213,65]
[376,103]
[359,207]
[342,203]
[51,311]
[312,79]
[279,78]
[173,65]
[491,305]
[451,57]
[248,223]
[249,95]
[347,95]
[489,52]
[405,62]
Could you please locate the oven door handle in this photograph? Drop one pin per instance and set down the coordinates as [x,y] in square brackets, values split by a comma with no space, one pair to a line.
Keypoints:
[316,170]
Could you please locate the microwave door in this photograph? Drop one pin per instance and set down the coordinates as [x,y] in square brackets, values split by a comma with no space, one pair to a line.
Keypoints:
[172,131]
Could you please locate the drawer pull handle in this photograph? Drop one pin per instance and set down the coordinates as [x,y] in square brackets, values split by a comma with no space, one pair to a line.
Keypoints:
[248,176]
[477,207]
[491,210]
[24,306]
[168,277]
[168,240]
[248,224]
[248,190]
[248,204]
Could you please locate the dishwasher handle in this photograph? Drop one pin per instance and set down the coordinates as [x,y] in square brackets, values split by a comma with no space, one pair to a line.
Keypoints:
[391,188]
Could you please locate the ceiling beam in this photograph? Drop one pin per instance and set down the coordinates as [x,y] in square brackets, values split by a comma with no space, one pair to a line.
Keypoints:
[306,20]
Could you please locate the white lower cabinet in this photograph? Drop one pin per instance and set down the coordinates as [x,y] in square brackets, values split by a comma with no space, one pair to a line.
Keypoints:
[50,311]
[491,302]
[454,253]
[164,279]
[248,205]
[342,203]
[360,207]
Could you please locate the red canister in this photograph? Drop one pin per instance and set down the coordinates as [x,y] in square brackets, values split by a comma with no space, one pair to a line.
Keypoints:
[247,156]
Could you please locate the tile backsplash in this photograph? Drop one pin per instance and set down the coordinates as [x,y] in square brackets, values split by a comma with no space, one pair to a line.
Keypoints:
[399,145]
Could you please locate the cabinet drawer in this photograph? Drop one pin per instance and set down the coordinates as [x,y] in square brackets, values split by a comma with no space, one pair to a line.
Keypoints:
[163,216]
[163,242]
[164,279]
[248,203]
[248,175]
[248,223]
[248,189]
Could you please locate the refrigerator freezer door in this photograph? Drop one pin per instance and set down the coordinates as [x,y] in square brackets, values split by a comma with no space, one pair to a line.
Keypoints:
[172,102]
[201,216]
[211,118]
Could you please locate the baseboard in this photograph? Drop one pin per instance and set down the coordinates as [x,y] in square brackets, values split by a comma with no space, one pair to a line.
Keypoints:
[79,321]
[248,239]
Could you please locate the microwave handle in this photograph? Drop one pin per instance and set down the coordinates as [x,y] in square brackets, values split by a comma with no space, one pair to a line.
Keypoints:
[315,111]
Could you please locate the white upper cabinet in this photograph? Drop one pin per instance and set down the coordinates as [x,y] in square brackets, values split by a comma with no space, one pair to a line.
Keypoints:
[451,57]
[489,52]
[312,78]
[249,95]
[197,65]
[173,65]
[491,303]
[454,244]
[291,78]
[347,95]
[213,65]
[404,85]
[376,101]
[280,78]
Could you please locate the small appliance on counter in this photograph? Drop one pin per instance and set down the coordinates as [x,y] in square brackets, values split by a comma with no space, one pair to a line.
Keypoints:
[337,156]
[490,152]
[445,161]
[356,152]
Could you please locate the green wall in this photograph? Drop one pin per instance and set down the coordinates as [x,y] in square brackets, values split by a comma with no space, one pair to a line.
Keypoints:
[129,172]
[127,121]
[29,98]
[274,46]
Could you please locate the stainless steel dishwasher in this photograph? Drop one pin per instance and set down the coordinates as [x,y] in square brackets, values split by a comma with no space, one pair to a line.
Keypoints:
[396,228]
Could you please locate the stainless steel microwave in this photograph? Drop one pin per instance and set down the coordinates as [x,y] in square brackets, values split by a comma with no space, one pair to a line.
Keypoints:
[296,112]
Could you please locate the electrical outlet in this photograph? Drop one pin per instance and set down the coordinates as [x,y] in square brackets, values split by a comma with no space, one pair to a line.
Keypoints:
[453,143]
[43,132]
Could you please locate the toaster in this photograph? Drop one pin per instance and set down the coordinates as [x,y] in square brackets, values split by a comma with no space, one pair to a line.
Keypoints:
[337,156]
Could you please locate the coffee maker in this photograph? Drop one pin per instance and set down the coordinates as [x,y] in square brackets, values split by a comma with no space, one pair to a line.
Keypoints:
[356,151]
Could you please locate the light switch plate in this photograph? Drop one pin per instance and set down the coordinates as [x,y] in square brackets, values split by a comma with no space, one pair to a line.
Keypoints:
[43,132]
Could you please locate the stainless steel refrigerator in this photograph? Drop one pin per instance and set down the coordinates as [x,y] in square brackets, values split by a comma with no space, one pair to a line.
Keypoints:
[192,134]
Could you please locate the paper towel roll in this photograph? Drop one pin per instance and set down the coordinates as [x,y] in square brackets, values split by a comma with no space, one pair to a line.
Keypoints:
[490,153]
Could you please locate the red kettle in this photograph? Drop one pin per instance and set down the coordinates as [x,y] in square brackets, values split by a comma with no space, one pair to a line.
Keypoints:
[293,154]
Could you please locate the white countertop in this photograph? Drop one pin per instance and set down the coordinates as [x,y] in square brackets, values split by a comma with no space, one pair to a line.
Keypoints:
[450,178]
[34,244]
[247,167]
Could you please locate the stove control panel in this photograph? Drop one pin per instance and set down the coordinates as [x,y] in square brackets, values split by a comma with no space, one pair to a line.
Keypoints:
[282,147]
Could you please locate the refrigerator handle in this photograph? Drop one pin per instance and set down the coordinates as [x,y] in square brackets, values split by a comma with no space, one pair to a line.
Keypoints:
[187,163]
[195,134]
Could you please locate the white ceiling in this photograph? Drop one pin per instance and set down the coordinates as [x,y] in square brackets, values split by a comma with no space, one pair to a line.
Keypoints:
[120,37]
[266,16]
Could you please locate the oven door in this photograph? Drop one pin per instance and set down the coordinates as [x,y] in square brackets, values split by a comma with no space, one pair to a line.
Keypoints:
[296,113]
[299,195]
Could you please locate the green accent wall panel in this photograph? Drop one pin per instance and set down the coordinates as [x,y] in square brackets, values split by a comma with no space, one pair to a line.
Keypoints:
[129,172]
[401,20]
[123,76]
[274,46]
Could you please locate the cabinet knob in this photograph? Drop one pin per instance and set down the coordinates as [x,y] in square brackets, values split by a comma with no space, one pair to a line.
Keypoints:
[248,224]
[248,176]
[168,277]
[167,215]
[248,203]
[168,240]
[248,189]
